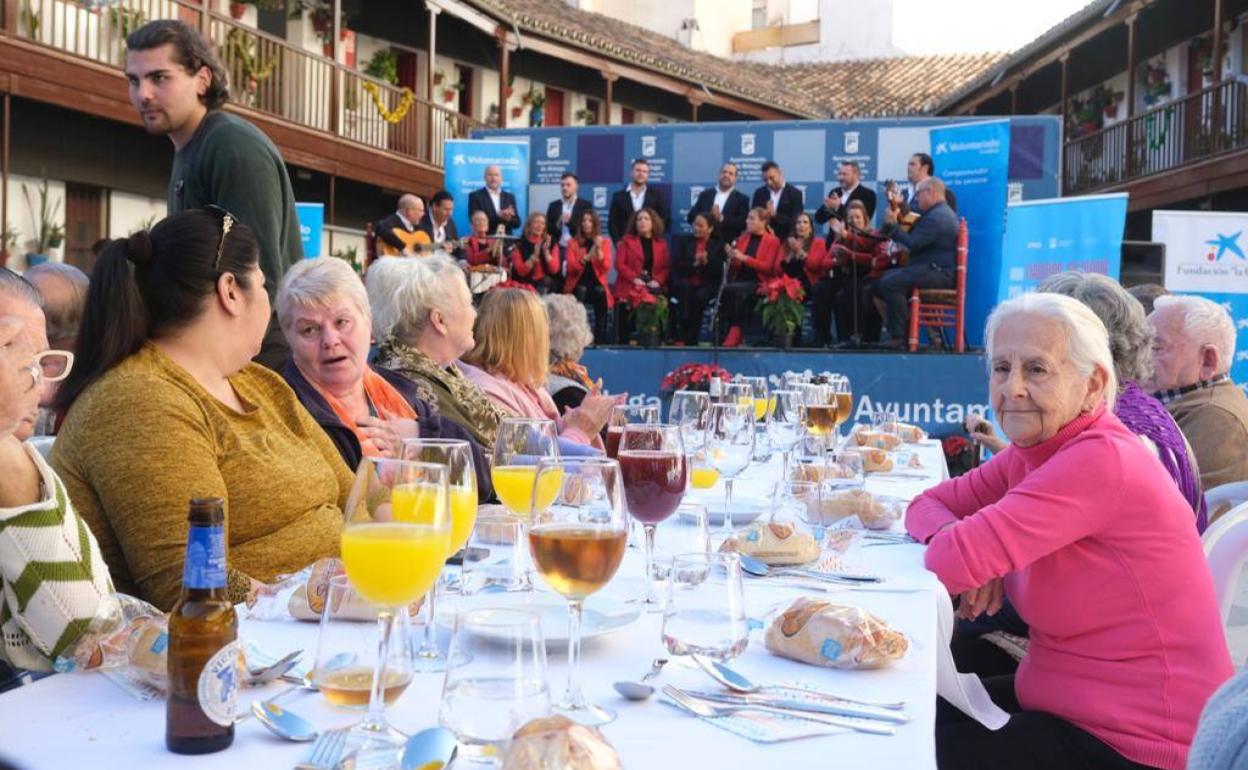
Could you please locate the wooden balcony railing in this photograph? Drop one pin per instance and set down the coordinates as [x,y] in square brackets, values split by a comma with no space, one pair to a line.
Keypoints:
[266,73]
[1192,128]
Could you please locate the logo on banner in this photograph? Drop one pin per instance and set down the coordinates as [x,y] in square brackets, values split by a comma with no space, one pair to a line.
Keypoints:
[1224,243]
[747,144]
[851,142]
[552,147]
[694,192]
[941,148]
[648,146]
[600,197]
[458,159]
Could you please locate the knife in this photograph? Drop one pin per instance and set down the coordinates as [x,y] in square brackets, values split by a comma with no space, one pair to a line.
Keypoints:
[843,710]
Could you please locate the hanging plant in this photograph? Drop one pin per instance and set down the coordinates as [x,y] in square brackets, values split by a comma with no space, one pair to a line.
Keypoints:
[384,66]
[587,116]
[535,98]
[1157,85]
[516,112]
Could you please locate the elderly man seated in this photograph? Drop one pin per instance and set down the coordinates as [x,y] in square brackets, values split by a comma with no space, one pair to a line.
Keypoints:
[64,291]
[1192,353]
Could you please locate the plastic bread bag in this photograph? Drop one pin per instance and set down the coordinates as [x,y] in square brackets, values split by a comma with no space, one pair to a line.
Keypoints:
[558,743]
[871,511]
[302,596]
[834,636]
[774,543]
[127,636]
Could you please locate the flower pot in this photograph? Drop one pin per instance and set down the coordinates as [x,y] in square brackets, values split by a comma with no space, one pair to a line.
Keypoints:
[1111,111]
[782,340]
[516,112]
[448,95]
[237,10]
[35,259]
[648,339]
[537,116]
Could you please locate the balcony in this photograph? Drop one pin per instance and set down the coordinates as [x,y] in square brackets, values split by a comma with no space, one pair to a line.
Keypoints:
[293,87]
[1184,133]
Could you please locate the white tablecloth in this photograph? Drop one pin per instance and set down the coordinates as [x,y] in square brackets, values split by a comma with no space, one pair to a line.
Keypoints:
[84,720]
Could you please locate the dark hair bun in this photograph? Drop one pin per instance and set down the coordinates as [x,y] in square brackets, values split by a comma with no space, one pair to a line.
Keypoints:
[139,247]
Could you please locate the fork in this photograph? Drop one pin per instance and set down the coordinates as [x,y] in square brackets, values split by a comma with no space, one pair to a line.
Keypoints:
[325,752]
[701,708]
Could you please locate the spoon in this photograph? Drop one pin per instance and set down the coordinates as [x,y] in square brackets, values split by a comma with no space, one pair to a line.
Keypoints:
[430,749]
[640,690]
[261,676]
[737,682]
[283,723]
[758,568]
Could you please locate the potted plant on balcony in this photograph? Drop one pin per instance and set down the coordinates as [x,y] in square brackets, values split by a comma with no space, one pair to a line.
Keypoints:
[1157,85]
[451,92]
[1107,100]
[516,112]
[587,116]
[537,113]
[49,233]
[1085,117]
[781,306]
[237,9]
[384,66]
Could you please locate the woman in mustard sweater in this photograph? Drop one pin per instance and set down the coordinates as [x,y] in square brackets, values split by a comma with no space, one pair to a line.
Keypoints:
[164,405]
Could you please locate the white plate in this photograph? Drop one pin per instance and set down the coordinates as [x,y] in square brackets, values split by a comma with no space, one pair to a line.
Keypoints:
[744,510]
[600,616]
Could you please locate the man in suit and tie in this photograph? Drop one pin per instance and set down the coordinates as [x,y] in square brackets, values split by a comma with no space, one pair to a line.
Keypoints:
[637,196]
[563,215]
[782,200]
[918,168]
[498,204]
[726,206]
[438,224]
[850,177]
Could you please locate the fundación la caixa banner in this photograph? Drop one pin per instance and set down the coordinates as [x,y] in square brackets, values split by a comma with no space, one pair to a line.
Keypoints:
[466,161]
[1207,254]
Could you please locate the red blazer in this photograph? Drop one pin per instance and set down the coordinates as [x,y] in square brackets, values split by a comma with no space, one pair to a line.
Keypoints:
[477,252]
[818,261]
[576,255]
[540,269]
[630,260]
[864,251]
[766,263]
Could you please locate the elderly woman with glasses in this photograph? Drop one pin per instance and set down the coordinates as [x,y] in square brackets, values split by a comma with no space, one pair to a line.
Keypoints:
[1095,548]
[366,410]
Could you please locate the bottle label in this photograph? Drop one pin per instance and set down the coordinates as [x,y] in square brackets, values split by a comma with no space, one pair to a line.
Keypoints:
[219,683]
[205,558]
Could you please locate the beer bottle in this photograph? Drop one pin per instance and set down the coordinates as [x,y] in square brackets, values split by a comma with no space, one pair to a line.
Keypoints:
[203,651]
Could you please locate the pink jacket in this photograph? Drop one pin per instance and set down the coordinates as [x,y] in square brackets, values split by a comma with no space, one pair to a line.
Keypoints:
[520,400]
[1099,555]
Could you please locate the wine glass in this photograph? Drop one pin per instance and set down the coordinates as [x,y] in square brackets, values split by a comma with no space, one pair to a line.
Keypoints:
[844,395]
[654,468]
[730,447]
[520,444]
[758,394]
[819,407]
[627,414]
[793,379]
[785,427]
[578,542]
[345,650]
[456,456]
[690,410]
[396,536]
[737,393]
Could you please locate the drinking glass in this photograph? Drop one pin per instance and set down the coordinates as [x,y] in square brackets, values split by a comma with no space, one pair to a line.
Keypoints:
[730,446]
[346,653]
[690,410]
[820,410]
[794,379]
[844,400]
[495,680]
[737,393]
[689,533]
[852,474]
[520,444]
[461,480]
[627,414]
[786,427]
[701,474]
[495,539]
[795,500]
[653,467]
[396,536]
[705,610]
[578,543]
[758,395]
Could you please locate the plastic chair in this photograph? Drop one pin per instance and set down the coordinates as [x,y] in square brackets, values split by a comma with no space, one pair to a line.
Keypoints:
[1222,498]
[943,308]
[1226,549]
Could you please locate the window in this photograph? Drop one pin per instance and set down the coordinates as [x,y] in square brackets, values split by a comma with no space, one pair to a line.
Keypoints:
[758,17]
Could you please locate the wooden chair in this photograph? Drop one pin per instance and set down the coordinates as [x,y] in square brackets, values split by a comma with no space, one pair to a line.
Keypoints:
[942,308]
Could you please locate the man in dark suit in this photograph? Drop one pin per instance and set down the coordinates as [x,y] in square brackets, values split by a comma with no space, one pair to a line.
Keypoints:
[439,225]
[782,200]
[563,215]
[850,176]
[498,204]
[920,167]
[637,196]
[724,204]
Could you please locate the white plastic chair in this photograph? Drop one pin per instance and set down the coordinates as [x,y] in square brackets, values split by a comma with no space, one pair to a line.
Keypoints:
[1226,549]
[1226,496]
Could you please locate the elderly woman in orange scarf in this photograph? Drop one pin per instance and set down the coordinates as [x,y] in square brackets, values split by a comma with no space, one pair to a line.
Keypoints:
[367,411]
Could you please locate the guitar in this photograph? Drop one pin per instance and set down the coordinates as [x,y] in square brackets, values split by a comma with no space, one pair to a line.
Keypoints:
[411,242]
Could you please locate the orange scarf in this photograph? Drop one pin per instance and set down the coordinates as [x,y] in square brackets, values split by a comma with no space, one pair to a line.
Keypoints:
[386,400]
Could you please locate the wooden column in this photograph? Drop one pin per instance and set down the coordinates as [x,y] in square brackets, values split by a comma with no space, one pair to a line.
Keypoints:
[333,207]
[504,74]
[693,109]
[5,133]
[1014,99]
[609,101]
[9,7]
[429,70]
[1064,96]
[1216,111]
[335,73]
[1128,144]
[205,7]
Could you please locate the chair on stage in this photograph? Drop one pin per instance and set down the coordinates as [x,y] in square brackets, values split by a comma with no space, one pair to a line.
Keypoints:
[940,309]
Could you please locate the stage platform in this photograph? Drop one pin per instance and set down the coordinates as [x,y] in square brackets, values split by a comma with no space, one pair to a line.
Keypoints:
[933,390]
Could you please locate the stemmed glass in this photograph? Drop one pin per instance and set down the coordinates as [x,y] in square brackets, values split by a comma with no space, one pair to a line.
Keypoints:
[578,541]
[737,393]
[844,395]
[690,411]
[461,480]
[627,414]
[396,536]
[730,445]
[785,427]
[820,409]
[521,443]
[758,394]
[654,469]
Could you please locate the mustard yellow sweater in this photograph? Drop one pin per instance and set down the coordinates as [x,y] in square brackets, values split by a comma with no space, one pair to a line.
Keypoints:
[146,438]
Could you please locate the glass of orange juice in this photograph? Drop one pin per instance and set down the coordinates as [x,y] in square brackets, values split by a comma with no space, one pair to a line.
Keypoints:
[396,536]
[520,444]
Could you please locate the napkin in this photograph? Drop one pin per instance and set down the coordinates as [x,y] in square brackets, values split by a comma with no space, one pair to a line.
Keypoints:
[964,691]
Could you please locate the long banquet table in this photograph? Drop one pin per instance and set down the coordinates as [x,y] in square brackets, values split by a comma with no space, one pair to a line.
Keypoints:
[85,720]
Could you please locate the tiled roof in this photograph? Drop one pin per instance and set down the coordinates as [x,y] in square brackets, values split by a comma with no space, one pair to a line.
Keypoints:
[859,88]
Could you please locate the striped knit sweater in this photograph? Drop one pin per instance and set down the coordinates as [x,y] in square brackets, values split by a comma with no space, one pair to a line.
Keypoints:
[52,578]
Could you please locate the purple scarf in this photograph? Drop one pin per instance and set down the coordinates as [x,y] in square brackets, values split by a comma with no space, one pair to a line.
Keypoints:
[1145,416]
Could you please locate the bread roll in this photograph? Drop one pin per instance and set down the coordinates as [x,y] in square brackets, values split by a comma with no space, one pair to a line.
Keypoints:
[834,636]
[873,438]
[558,743]
[875,460]
[774,543]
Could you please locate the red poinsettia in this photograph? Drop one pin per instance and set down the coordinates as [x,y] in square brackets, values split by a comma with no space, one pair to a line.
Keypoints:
[693,377]
[510,284]
[782,304]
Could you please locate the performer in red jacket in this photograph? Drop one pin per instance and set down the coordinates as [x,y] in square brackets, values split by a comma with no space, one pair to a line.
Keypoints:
[754,258]
[589,261]
[856,249]
[642,264]
[535,257]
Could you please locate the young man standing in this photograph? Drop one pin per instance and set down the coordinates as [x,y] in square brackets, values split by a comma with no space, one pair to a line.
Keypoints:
[178,87]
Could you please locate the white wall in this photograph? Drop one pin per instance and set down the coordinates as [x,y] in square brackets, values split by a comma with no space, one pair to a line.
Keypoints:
[869,36]
[718,21]
[20,215]
[128,212]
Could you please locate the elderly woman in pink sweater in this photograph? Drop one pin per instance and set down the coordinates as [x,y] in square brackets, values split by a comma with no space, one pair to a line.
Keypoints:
[1079,524]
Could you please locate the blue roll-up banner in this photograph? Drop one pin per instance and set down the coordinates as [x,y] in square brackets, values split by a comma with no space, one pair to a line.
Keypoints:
[1052,236]
[933,392]
[973,160]
[466,161]
[311,227]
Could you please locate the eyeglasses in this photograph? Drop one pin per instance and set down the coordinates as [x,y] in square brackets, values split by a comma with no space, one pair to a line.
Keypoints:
[227,222]
[53,365]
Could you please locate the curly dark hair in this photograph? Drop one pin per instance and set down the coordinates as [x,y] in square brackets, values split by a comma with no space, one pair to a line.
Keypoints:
[190,50]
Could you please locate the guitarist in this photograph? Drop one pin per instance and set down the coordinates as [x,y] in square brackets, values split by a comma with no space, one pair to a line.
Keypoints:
[399,233]
[438,226]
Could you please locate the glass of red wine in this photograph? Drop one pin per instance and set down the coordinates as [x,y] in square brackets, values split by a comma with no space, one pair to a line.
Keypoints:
[627,414]
[653,468]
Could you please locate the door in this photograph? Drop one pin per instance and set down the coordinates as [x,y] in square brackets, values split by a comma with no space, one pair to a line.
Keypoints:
[404,136]
[554,107]
[466,92]
[84,223]
[627,116]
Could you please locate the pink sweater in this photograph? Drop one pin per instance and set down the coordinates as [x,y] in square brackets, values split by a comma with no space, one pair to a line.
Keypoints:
[520,401]
[1099,556]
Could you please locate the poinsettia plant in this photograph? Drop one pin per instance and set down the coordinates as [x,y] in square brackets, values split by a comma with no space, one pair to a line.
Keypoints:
[782,304]
[650,311]
[693,377]
[510,284]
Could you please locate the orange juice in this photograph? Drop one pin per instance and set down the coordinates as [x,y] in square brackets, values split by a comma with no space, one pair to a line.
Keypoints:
[393,563]
[463,516]
[514,486]
[703,478]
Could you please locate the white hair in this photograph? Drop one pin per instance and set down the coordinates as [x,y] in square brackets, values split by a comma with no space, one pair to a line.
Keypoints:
[408,289]
[569,327]
[1130,336]
[317,283]
[1205,322]
[1087,341]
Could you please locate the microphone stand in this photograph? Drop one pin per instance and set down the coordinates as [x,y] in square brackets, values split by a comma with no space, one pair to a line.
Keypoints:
[719,303]
[855,339]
